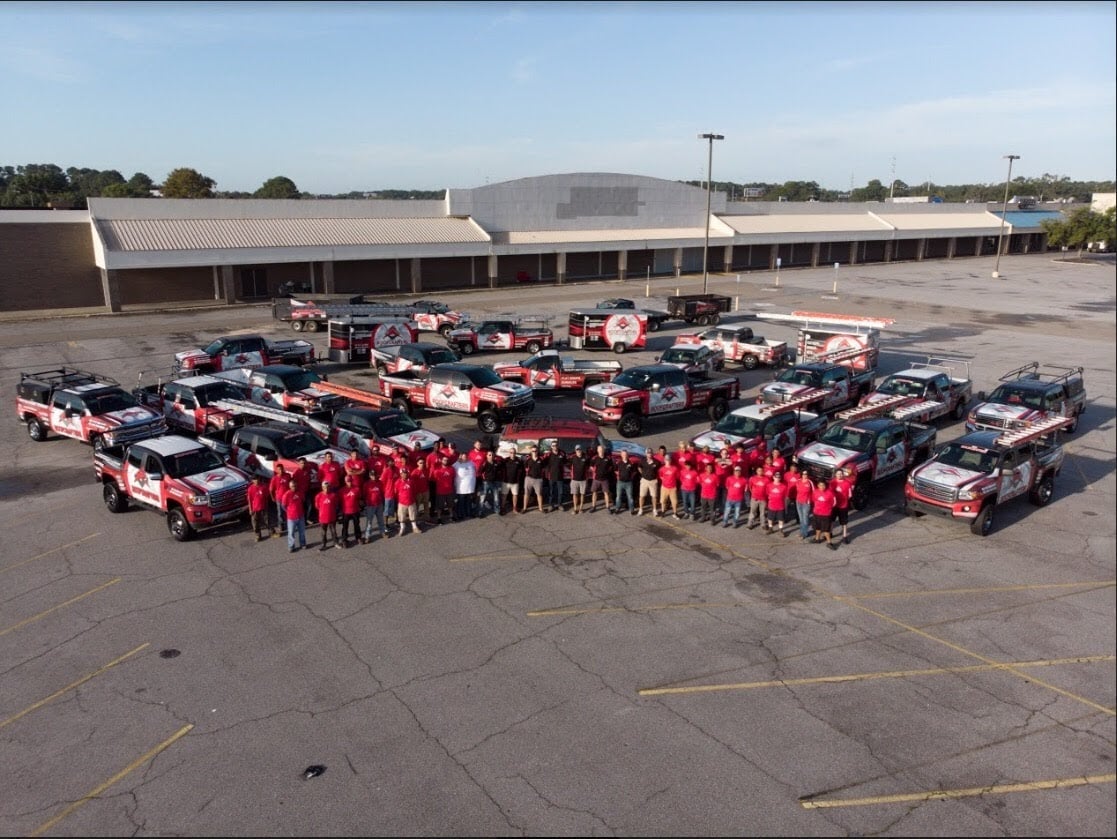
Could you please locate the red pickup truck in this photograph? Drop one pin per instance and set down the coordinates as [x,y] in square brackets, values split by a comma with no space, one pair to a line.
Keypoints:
[243,351]
[547,370]
[470,389]
[525,334]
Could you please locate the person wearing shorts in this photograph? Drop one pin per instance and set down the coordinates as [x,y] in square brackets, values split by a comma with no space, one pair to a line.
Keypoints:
[579,479]
[602,473]
[823,509]
[511,474]
[669,486]
[649,483]
[842,487]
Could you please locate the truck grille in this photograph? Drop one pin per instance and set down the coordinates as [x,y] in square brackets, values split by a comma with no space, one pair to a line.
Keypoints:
[936,492]
[817,471]
[140,431]
[595,400]
[231,498]
[520,400]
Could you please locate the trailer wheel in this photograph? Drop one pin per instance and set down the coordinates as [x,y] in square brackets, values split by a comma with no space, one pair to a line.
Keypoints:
[749,362]
[715,319]
[719,407]
[533,347]
[703,320]
[983,524]
[653,325]
[114,499]
[297,325]
[630,425]
[488,422]
[36,430]
[1043,491]
[402,405]
[178,525]
[619,347]
[312,326]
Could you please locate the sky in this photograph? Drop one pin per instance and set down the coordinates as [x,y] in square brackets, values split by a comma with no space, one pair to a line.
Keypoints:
[412,95]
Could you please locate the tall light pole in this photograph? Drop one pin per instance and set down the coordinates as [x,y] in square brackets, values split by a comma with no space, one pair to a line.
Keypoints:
[709,187]
[1004,212]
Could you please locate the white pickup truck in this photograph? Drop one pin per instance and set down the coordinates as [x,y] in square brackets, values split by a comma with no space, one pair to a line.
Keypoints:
[923,392]
[738,344]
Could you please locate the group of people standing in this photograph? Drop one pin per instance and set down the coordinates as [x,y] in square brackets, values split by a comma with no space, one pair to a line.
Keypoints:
[370,496]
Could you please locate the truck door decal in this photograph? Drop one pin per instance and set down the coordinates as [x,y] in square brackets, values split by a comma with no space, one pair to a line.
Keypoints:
[891,460]
[67,426]
[141,487]
[839,395]
[448,396]
[1015,482]
[666,399]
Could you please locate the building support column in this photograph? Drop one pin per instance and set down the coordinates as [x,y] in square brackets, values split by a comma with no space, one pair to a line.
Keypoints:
[416,275]
[816,250]
[678,262]
[493,269]
[727,259]
[773,255]
[853,253]
[228,285]
[951,246]
[980,245]
[328,277]
[888,250]
[110,289]
[622,264]
[560,267]
[920,250]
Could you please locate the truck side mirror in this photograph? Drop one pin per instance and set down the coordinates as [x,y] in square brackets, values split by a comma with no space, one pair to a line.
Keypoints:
[465,386]
[981,396]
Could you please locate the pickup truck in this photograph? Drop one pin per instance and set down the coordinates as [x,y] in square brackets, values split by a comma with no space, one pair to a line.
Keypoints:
[1029,394]
[180,477]
[740,345]
[656,390]
[923,392]
[243,351]
[547,370]
[379,430]
[258,447]
[459,388]
[785,428]
[283,386]
[85,406]
[419,357]
[312,315]
[703,309]
[187,404]
[656,318]
[694,358]
[525,335]
[870,450]
[970,477]
[830,387]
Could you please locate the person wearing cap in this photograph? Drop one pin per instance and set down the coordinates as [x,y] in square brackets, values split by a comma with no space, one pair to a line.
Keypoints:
[579,472]
[649,483]
[554,472]
[736,485]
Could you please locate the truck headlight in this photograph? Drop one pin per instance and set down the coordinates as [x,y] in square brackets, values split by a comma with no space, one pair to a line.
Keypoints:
[612,402]
[911,478]
[968,495]
[199,500]
[971,417]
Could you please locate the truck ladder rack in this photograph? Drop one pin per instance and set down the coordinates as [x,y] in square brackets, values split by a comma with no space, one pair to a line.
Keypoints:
[797,404]
[875,409]
[354,393]
[241,407]
[822,319]
[906,412]
[68,377]
[944,365]
[838,356]
[1027,371]
[1034,431]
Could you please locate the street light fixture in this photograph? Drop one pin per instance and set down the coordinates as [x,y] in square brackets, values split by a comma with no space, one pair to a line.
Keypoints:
[709,187]
[1004,212]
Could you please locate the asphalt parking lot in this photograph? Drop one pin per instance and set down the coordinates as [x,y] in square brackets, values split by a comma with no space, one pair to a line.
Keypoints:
[591,675]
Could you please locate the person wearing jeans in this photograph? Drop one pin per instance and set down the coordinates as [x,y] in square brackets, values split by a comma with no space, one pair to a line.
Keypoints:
[294,510]
[735,487]
[804,496]
[626,475]
[688,483]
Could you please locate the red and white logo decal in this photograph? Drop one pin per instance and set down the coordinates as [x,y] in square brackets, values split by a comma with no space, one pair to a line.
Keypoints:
[621,329]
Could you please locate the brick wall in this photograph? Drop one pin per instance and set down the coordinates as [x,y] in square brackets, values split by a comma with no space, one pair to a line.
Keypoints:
[48,266]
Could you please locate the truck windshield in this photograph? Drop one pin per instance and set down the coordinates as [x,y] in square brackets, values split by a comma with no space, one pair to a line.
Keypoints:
[300,379]
[215,347]
[848,438]
[636,379]
[484,377]
[440,356]
[800,377]
[394,425]
[895,386]
[677,355]
[973,458]
[208,394]
[1011,394]
[189,463]
[740,426]
[299,444]
[108,401]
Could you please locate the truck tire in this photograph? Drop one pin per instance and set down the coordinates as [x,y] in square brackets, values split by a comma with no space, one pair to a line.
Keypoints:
[533,347]
[959,410]
[178,525]
[488,422]
[750,362]
[983,524]
[36,430]
[402,405]
[859,498]
[1043,491]
[703,320]
[619,347]
[1073,427]
[311,326]
[630,425]
[466,348]
[719,407]
[115,500]
[445,331]
[715,319]
[297,325]
[653,325]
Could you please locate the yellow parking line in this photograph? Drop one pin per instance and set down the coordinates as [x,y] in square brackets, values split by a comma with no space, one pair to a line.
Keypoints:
[602,609]
[93,793]
[940,794]
[989,589]
[861,677]
[34,618]
[72,685]
[48,553]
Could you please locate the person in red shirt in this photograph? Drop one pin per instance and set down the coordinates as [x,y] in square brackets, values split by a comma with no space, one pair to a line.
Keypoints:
[258,507]
[703,457]
[842,487]
[778,463]
[477,455]
[356,468]
[351,503]
[277,488]
[736,486]
[388,485]
[769,469]
[823,508]
[405,502]
[804,503]
[373,496]
[301,476]
[777,504]
[688,484]
[329,470]
[708,486]
[420,479]
[443,505]
[328,505]
[294,510]
[669,486]
[758,498]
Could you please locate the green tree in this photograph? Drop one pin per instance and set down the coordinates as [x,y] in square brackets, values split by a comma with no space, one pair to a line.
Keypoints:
[187,183]
[874,190]
[35,184]
[277,187]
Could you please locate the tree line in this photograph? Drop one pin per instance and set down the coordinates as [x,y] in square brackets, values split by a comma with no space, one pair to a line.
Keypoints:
[45,185]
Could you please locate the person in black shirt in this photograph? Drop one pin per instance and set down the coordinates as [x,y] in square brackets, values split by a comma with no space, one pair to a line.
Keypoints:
[554,466]
[579,472]
[649,483]
[512,474]
[626,477]
[602,465]
[533,479]
[490,476]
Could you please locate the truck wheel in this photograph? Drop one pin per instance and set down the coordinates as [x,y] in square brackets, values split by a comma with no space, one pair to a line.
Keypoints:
[1043,491]
[653,326]
[715,319]
[719,407]
[445,331]
[533,347]
[311,326]
[630,425]
[114,500]
[703,320]
[983,524]
[750,362]
[36,430]
[959,409]
[860,497]
[488,422]
[297,325]
[619,347]
[178,525]
[402,405]
[466,348]
[1073,427]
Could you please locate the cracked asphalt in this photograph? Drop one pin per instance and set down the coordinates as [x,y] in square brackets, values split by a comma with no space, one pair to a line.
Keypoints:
[575,675]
